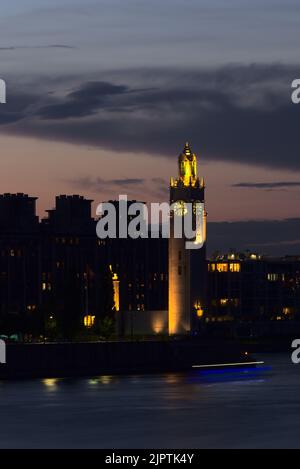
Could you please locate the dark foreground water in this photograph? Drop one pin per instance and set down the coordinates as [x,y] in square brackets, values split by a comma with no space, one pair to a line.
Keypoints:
[197,410]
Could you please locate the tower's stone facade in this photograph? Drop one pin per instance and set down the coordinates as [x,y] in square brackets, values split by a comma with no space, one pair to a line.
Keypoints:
[187,267]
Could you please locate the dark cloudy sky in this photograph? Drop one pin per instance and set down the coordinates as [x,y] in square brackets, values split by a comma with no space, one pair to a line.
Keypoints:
[103,94]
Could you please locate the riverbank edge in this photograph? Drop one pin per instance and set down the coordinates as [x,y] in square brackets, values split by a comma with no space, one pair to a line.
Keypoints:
[117,357]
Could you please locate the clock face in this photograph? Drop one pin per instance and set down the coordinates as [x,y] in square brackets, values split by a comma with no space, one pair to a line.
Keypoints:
[180,208]
[197,208]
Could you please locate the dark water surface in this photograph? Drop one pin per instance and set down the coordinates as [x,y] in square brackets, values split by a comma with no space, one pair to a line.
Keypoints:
[196,410]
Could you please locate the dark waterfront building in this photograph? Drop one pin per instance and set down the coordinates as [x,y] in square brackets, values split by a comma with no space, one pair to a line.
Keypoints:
[51,271]
[19,255]
[141,265]
[72,262]
[56,270]
[249,287]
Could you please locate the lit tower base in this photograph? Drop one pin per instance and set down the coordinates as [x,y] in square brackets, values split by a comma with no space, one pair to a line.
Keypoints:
[187,267]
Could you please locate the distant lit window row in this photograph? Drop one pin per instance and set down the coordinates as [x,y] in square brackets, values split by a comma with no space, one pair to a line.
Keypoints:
[224,267]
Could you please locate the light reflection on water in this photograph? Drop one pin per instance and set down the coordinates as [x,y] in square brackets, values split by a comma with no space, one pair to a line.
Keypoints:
[50,383]
[244,407]
[104,379]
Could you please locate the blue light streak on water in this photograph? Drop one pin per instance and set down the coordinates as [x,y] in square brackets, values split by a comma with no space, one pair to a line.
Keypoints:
[242,369]
[222,375]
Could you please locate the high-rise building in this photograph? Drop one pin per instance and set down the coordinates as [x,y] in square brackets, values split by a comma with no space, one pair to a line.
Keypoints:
[248,287]
[141,265]
[72,259]
[18,213]
[19,256]
[187,270]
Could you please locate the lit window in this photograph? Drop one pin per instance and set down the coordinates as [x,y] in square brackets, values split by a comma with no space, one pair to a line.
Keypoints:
[286,310]
[198,308]
[224,301]
[234,267]
[272,277]
[44,286]
[89,320]
[222,267]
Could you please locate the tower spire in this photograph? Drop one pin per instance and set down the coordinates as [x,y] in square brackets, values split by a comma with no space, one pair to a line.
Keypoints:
[187,150]
[187,166]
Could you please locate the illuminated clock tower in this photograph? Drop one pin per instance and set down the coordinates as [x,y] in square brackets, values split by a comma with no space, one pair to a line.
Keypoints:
[187,267]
